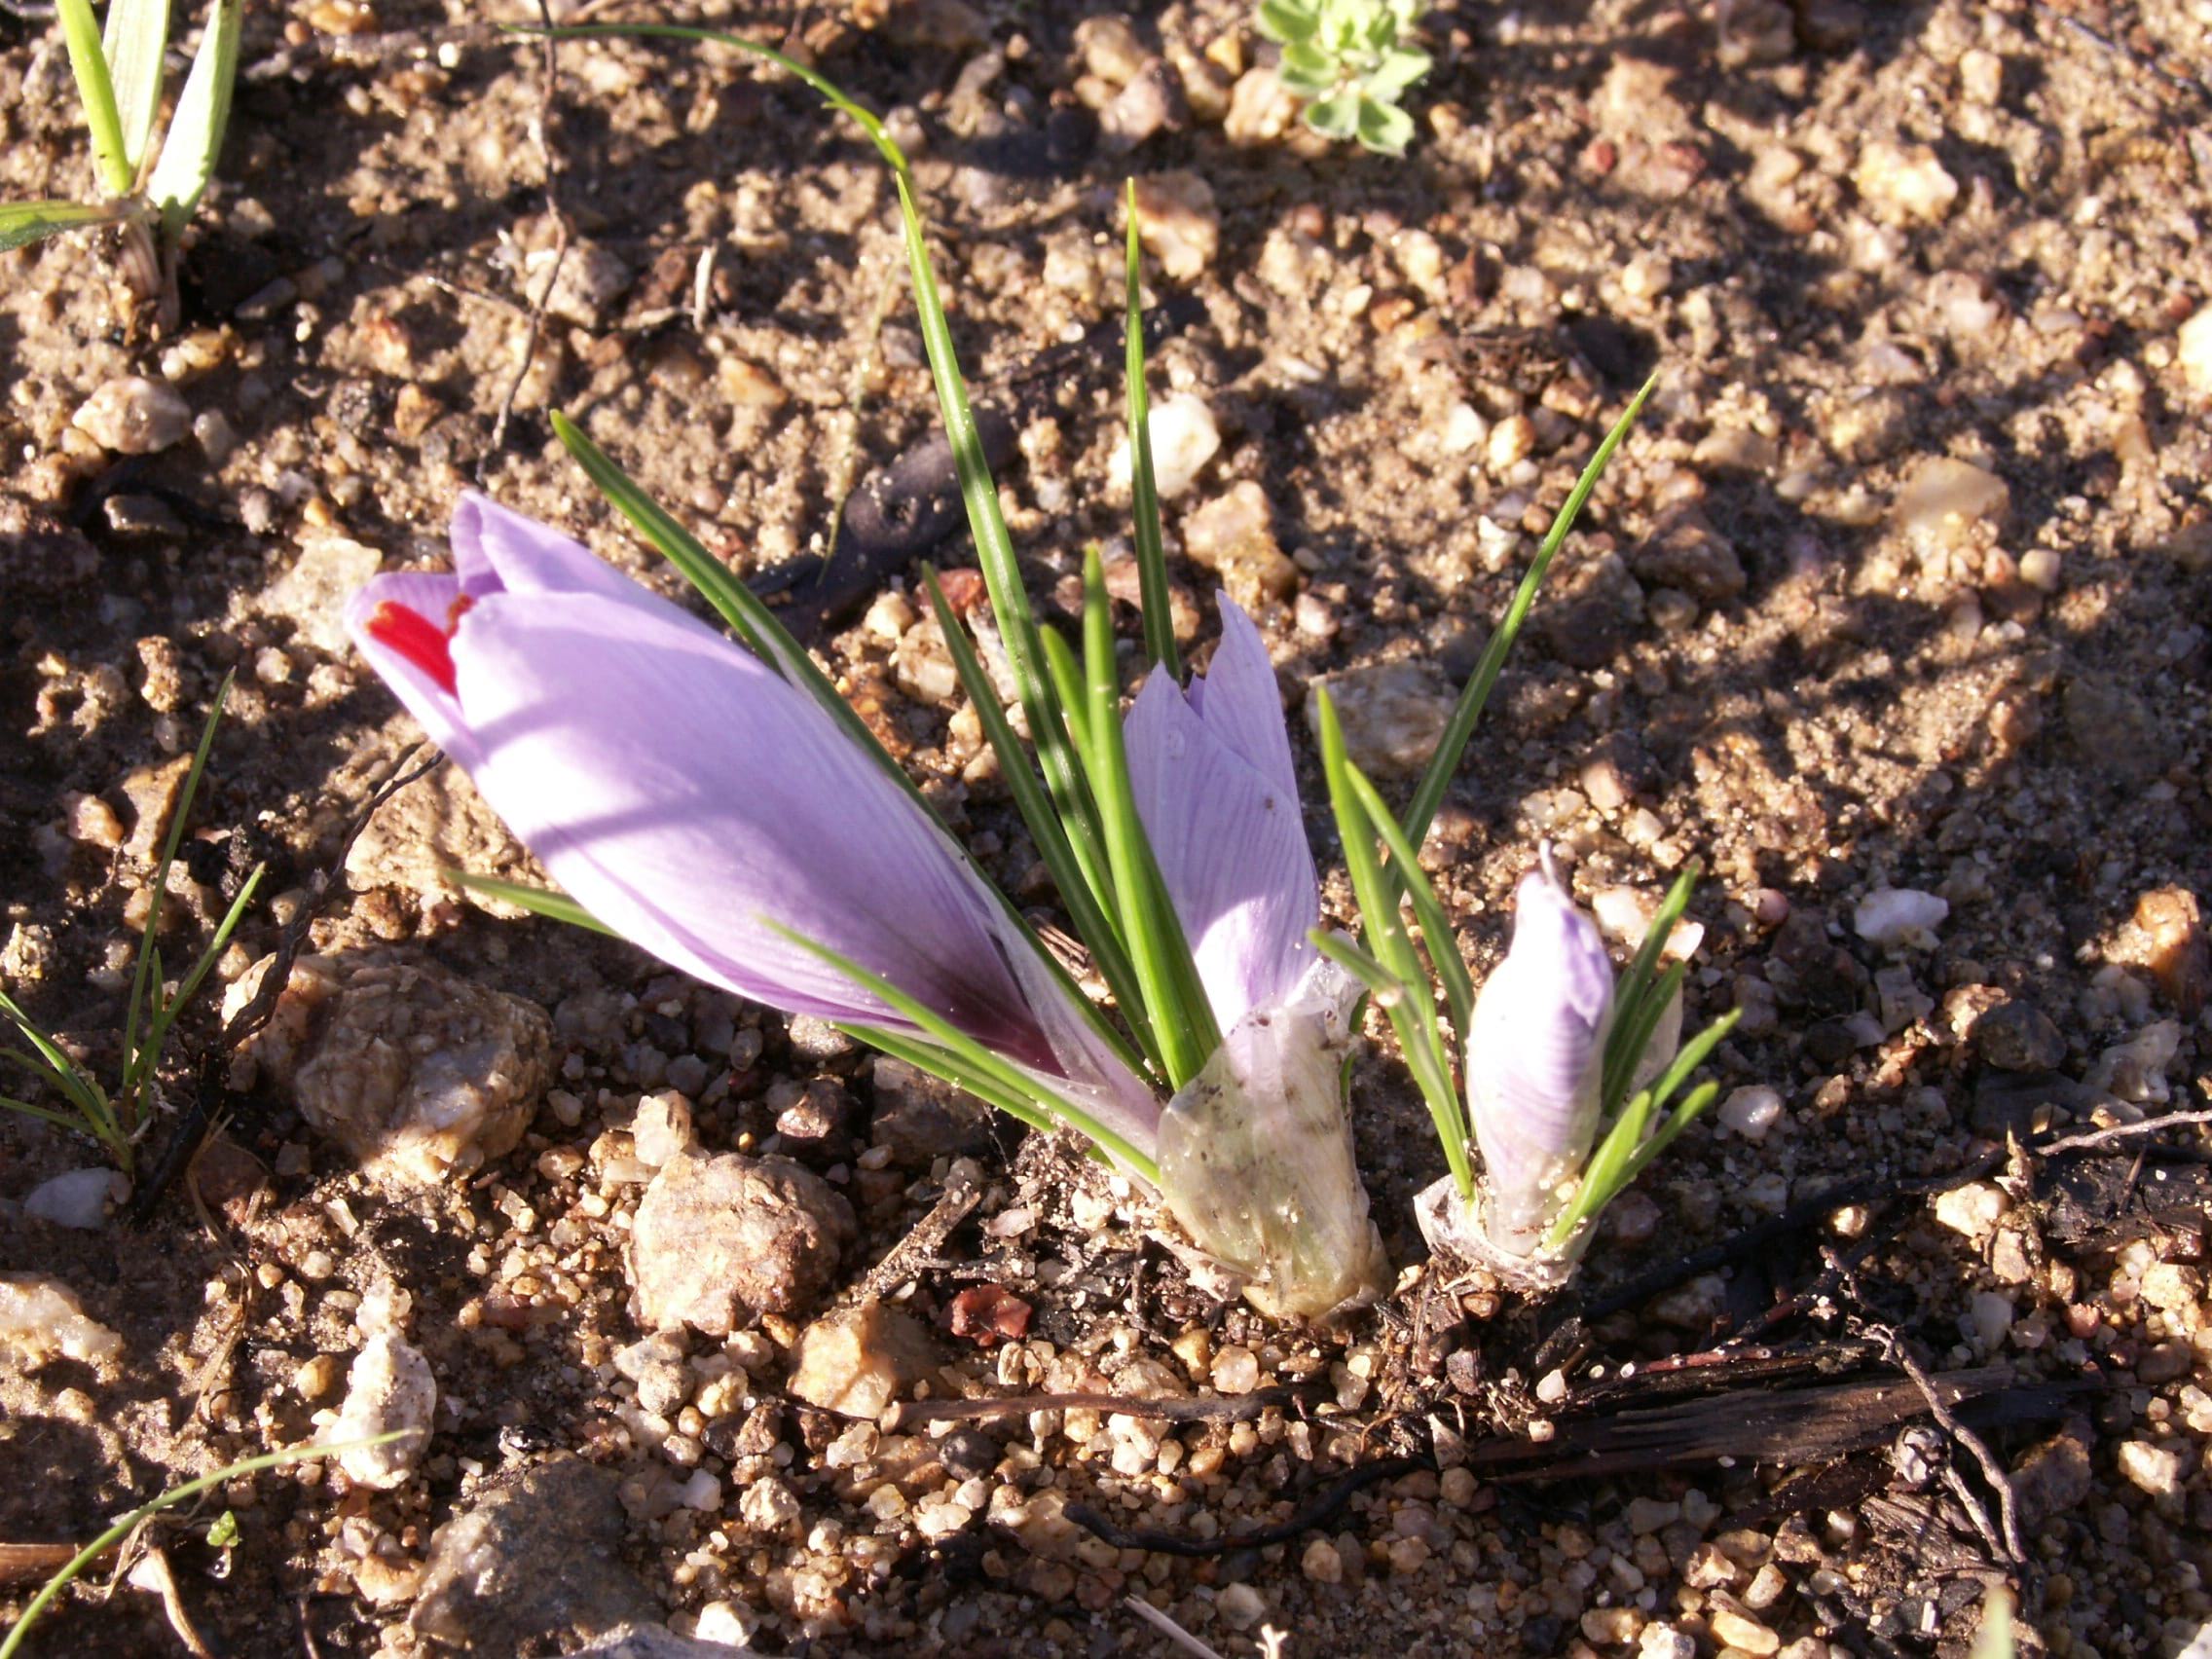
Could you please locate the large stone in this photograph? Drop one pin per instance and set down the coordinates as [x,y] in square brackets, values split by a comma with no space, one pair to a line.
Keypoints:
[1394,716]
[856,1362]
[134,416]
[1233,537]
[419,1073]
[717,1237]
[389,1389]
[534,1565]
[41,1319]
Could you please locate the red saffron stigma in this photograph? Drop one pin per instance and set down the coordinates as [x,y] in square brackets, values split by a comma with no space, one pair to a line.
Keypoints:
[418,639]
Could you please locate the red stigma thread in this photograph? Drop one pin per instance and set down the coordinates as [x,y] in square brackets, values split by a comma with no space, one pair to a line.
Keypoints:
[418,639]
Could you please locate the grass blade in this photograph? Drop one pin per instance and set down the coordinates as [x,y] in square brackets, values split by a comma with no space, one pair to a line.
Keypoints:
[1635,982]
[23,223]
[1435,927]
[1430,793]
[136,1064]
[95,89]
[136,36]
[1181,1018]
[829,90]
[176,1494]
[994,547]
[1000,1073]
[166,1009]
[1144,489]
[538,900]
[194,142]
[1067,681]
[1634,1022]
[1414,1018]
[1396,998]
[1082,888]
[943,1064]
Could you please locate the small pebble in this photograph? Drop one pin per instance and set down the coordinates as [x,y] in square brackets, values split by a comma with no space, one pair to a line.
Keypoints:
[1899,917]
[1184,438]
[134,416]
[1751,1112]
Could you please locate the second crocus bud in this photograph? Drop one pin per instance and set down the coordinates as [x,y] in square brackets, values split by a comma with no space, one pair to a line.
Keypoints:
[1536,1060]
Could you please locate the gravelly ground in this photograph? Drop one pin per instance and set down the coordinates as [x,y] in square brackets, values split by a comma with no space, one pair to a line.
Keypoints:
[1901,583]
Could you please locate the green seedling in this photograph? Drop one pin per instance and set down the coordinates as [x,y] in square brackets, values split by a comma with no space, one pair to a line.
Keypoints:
[148,190]
[115,1117]
[1349,63]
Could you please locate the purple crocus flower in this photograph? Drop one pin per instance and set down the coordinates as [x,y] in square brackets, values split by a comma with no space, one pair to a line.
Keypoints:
[1211,773]
[1535,1059]
[692,801]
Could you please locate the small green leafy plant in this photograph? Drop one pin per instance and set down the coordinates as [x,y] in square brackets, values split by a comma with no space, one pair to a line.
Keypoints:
[149,191]
[116,1119]
[1348,61]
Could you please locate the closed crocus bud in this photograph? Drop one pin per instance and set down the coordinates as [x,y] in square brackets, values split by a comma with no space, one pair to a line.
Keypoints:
[696,803]
[1536,1060]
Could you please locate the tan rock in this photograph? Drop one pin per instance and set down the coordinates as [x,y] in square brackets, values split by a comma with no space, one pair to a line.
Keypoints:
[856,1362]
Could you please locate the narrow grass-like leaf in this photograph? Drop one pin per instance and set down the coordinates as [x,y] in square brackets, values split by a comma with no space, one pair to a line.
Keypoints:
[994,547]
[1694,1055]
[1144,489]
[176,1494]
[1435,927]
[23,223]
[885,146]
[194,142]
[1067,683]
[53,1064]
[763,633]
[145,977]
[947,1067]
[1635,985]
[1182,1019]
[1430,793]
[1000,1073]
[1634,1022]
[134,41]
[166,1008]
[60,1120]
[1396,998]
[538,900]
[1413,1017]
[1627,1150]
[1084,892]
[95,89]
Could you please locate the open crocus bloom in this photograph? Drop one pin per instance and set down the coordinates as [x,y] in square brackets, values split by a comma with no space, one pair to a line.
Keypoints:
[696,803]
[691,800]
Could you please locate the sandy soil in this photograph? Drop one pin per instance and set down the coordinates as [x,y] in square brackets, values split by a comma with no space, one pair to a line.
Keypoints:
[1901,584]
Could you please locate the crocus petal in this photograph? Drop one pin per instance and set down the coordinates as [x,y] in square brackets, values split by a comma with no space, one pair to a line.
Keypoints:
[1239,700]
[1535,1058]
[1230,848]
[1217,792]
[497,549]
[689,798]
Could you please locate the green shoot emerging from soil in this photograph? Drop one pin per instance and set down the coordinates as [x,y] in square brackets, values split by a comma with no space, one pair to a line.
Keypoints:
[116,1118]
[218,1534]
[151,192]
[1348,61]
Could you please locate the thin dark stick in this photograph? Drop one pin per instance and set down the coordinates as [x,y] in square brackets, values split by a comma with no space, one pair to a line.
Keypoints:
[2119,1132]
[548,88]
